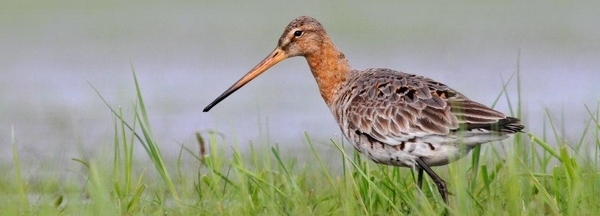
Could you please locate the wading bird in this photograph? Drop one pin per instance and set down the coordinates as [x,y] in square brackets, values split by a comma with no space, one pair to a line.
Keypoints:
[393,118]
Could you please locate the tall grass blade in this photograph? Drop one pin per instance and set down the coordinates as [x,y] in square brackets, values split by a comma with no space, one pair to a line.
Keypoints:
[20,183]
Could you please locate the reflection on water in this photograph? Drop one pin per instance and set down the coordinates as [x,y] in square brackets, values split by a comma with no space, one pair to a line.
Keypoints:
[186,54]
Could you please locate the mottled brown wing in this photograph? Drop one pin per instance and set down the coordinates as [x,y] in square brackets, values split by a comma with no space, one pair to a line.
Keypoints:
[393,107]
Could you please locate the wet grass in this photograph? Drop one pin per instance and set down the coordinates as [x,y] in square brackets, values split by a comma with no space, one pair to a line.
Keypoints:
[529,174]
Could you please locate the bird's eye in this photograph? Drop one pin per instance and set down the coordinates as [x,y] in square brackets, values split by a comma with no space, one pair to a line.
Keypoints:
[298,33]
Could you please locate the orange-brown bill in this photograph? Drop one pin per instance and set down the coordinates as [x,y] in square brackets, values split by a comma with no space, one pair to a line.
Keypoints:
[275,57]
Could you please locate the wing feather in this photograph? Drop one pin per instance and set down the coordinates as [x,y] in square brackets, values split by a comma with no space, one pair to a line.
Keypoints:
[390,105]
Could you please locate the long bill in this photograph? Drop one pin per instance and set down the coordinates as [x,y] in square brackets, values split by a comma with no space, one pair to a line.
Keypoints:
[275,57]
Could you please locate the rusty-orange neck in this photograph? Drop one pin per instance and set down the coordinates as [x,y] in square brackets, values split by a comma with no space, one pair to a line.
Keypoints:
[330,68]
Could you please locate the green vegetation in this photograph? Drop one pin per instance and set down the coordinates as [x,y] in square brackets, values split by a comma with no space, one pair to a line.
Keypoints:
[528,175]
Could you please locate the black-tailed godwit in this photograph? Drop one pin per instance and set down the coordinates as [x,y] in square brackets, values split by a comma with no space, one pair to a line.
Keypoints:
[392,117]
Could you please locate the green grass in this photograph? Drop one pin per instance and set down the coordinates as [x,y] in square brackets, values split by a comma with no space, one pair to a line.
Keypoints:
[528,175]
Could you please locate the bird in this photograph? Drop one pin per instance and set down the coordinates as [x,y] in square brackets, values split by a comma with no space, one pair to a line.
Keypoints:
[391,117]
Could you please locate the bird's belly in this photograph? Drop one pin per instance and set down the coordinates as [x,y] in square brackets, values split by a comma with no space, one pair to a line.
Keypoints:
[405,154]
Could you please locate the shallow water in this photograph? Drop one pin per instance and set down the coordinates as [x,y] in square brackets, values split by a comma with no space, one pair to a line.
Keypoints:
[186,53]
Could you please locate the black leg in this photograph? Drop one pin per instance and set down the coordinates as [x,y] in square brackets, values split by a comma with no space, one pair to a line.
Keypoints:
[441,185]
[420,177]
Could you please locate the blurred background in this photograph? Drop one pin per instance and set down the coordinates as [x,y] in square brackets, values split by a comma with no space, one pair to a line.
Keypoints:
[186,53]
